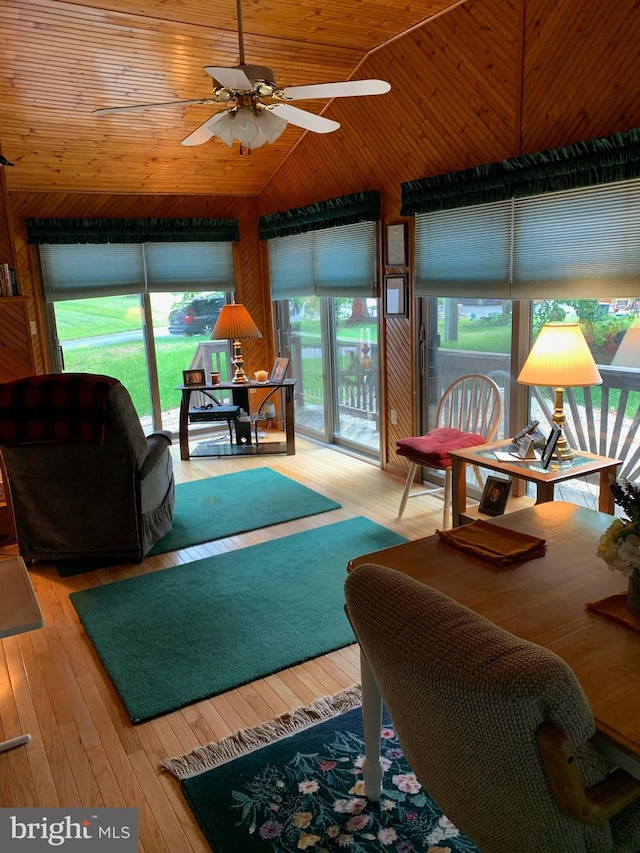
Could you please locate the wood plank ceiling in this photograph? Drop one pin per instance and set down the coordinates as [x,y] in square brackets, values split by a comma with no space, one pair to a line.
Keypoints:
[61,60]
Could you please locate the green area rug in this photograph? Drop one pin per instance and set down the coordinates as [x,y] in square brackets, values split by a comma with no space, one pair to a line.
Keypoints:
[295,784]
[222,506]
[172,637]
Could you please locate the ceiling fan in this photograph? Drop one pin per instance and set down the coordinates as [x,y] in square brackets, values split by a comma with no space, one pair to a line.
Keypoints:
[242,90]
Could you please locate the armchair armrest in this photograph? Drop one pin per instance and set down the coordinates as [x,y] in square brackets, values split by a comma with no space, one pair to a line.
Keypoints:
[594,805]
[157,443]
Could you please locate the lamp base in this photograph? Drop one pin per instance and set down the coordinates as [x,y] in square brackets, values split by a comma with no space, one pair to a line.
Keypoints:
[563,451]
[239,377]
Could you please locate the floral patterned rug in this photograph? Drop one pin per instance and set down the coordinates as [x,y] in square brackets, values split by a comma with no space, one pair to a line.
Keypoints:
[296,784]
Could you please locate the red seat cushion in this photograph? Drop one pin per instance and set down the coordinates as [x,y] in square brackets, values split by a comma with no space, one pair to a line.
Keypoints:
[433,449]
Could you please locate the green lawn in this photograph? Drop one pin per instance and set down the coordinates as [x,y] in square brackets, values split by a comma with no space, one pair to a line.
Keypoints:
[126,361]
[478,336]
[85,318]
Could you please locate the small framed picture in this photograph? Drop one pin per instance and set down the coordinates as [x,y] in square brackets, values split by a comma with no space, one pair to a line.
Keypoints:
[396,245]
[279,369]
[495,496]
[193,377]
[396,296]
[550,445]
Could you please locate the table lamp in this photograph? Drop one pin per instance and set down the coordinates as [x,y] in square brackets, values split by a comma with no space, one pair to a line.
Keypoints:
[234,323]
[560,358]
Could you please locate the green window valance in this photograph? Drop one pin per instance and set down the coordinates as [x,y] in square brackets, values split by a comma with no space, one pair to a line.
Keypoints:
[345,210]
[596,161]
[75,231]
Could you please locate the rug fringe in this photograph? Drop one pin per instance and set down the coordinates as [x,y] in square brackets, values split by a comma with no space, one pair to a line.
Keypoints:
[247,740]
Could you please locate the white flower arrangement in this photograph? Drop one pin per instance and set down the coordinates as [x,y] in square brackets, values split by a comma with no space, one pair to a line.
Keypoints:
[619,545]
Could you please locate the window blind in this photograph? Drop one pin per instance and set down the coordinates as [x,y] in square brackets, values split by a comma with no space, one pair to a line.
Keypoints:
[188,266]
[339,261]
[580,243]
[292,266]
[464,252]
[79,271]
[91,269]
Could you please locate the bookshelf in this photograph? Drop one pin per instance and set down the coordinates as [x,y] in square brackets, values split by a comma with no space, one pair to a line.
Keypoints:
[8,281]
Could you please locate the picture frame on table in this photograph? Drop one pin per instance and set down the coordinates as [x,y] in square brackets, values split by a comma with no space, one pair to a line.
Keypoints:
[396,295]
[550,445]
[279,369]
[495,495]
[193,377]
[396,245]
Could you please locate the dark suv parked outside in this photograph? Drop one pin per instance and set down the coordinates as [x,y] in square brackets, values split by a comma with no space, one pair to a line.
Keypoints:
[195,316]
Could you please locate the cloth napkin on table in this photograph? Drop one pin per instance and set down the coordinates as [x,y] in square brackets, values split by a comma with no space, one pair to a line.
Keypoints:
[615,608]
[498,544]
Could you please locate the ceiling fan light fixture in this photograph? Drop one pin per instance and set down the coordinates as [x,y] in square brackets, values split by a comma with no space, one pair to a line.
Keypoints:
[271,125]
[225,128]
[247,129]
[250,127]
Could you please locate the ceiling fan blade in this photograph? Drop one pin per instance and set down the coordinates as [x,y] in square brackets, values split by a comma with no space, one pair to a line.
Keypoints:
[205,131]
[230,78]
[301,118]
[109,110]
[348,89]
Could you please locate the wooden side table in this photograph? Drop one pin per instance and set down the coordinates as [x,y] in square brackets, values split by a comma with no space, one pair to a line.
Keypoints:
[240,395]
[483,455]
[19,612]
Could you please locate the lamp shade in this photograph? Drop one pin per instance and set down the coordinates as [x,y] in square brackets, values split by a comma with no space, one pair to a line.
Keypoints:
[628,353]
[560,357]
[234,322]
[251,127]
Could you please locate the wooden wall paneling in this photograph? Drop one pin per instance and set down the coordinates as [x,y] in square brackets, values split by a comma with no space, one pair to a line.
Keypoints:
[7,246]
[16,349]
[400,383]
[448,108]
[581,71]
[258,353]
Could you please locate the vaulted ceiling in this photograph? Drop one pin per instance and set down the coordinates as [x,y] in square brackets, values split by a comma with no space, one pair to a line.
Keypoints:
[59,61]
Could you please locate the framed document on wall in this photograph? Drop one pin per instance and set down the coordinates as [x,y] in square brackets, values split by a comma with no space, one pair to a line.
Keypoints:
[396,245]
[396,296]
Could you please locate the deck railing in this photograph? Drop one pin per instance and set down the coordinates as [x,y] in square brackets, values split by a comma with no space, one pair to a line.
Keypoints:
[603,419]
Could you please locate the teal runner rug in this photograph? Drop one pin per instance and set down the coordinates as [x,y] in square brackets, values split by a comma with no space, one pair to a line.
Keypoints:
[302,789]
[176,636]
[222,506]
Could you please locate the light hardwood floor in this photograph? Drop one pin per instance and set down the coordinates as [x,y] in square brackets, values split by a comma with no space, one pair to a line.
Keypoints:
[84,750]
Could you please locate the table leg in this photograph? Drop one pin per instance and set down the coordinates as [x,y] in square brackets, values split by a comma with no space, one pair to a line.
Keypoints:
[15,741]
[240,397]
[289,422]
[372,770]
[544,493]
[605,498]
[183,423]
[458,489]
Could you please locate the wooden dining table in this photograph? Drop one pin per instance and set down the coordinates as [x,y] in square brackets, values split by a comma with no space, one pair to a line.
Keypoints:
[542,600]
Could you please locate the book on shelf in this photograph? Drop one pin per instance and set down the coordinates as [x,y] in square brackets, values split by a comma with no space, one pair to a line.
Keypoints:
[8,281]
